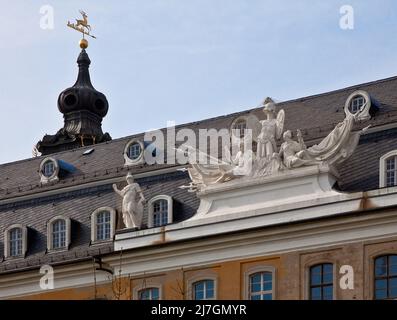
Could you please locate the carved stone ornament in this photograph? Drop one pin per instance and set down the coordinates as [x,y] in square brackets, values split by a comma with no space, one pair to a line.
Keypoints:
[335,148]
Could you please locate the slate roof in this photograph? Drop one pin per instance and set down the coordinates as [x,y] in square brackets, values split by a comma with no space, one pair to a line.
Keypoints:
[316,116]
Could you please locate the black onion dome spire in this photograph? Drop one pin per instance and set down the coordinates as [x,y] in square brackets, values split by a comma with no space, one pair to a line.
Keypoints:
[83,96]
[83,108]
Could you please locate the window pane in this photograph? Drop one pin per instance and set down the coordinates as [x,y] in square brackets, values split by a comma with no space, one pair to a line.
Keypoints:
[380,284]
[393,265]
[316,293]
[267,285]
[327,293]
[380,294]
[267,296]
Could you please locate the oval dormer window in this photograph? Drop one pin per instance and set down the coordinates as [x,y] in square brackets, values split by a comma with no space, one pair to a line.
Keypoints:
[359,103]
[133,152]
[49,170]
[356,103]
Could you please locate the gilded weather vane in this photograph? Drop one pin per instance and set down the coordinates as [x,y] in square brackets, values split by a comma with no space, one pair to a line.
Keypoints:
[82,26]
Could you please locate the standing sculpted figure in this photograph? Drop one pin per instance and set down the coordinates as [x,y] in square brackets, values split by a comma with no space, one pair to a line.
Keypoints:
[272,129]
[133,201]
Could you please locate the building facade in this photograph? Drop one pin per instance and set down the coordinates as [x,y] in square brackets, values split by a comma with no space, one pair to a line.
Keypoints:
[314,217]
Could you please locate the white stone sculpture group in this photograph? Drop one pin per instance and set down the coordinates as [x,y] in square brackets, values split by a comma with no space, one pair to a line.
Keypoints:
[333,149]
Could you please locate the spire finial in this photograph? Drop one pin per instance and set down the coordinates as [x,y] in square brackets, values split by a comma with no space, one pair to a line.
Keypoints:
[82,26]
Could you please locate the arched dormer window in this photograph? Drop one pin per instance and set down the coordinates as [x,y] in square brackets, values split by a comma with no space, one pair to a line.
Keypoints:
[160,211]
[103,221]
[388,170]
[58,233]
[15,241]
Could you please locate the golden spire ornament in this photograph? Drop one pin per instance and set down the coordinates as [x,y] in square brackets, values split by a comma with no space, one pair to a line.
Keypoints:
[82,26]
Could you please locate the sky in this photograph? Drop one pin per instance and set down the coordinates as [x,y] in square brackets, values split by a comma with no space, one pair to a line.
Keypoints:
[182,60]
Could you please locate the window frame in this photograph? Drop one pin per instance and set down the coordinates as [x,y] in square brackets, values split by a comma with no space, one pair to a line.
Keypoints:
[54,177]
[309,285]
[127,160]
[94,224]
[7,248]
[383,169]
[387,277]
[50,235]
[259,269]
[365,113]
[169,209]
[201,276]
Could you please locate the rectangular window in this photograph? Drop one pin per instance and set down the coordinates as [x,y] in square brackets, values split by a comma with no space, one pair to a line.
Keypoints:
[203,290]
[160,213]
[149,294]
[357,103]
[385,270]
[391,172]
[321,282]
[103,225]
[261,286]
[59,234]
[15,242]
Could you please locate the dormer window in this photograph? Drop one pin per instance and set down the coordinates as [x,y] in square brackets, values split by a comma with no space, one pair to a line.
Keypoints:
[103,224]
[388,169]
[49,170]
[133,152]
[360,103]
[15,241]
[58,233]
[356,104]
[160,211]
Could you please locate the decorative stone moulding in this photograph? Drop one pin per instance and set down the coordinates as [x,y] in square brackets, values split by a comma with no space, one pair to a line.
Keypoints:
[364,113]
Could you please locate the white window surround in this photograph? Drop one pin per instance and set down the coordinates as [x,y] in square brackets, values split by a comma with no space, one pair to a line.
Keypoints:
[127,160]
[94,224]
[49,233]
[169,208]
[382,167]
[364,114]
[146,284]
[7,240]
[54,177]
[256,269]
[201,276]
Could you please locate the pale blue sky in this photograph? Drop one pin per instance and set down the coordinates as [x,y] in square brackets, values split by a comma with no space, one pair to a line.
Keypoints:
[183,60]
